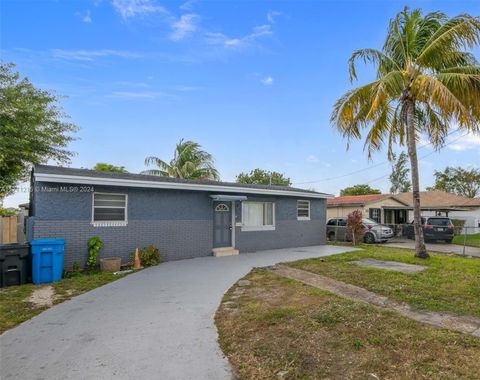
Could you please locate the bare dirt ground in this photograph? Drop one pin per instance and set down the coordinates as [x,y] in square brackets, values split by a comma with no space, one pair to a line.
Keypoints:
[43,296]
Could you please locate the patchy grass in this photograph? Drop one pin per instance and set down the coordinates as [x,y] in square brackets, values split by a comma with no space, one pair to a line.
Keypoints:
[279,327]
[16,308]
[472,240]
[450,284]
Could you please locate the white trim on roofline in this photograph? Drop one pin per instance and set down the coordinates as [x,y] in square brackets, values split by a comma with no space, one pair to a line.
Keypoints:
[85,180]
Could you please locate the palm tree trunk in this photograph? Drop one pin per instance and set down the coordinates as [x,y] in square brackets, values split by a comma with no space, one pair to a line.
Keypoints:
[420,250]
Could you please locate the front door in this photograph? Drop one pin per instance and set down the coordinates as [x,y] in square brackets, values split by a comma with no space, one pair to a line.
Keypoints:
[222,224]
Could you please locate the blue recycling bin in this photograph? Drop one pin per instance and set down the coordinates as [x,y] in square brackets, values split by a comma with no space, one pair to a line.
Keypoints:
[47,260]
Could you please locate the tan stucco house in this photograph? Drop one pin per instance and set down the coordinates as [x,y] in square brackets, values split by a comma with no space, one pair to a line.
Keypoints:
[383,208]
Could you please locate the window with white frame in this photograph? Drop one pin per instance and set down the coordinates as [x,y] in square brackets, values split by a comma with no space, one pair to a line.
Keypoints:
[109,209]
[258,216]
[303,210]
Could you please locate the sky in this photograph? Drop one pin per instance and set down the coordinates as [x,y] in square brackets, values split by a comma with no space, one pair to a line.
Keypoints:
[253,82]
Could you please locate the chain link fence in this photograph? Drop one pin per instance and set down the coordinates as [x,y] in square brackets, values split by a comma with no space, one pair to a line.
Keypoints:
[467,236]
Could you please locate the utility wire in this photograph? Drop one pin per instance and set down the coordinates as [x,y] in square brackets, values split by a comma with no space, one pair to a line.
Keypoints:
[422,157]
[370,167]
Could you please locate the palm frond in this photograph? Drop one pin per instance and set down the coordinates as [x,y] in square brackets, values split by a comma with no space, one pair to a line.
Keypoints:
[378,131]
[462,31]
[155,172]
[189,162]
[384,63]
[162,165]
[350,111]
[430,90]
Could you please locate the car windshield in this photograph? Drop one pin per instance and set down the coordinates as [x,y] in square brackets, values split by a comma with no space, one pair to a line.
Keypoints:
[439,221]
[368,221]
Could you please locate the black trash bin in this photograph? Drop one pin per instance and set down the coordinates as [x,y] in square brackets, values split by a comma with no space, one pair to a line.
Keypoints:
[14,264]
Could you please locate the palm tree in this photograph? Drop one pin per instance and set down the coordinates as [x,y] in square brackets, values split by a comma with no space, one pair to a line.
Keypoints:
[425,81]
[189,162]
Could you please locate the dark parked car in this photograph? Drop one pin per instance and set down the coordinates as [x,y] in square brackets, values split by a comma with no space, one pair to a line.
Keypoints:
[373,232]
[434,228]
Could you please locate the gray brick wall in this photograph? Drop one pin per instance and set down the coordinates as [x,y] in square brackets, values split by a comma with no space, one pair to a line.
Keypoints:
[179,223]
[289,232]
[175,239]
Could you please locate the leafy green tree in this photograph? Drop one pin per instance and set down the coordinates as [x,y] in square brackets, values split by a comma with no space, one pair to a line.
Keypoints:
[189,162]
[103,167]
[458,181]
[426,80]
[33,129]
[359,190]
[263,177]
[399,177]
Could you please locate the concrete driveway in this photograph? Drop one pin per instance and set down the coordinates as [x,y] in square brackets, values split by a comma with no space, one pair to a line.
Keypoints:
[435,247]
[155,324]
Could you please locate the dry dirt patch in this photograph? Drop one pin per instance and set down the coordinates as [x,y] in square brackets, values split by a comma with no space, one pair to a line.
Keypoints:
[43,296]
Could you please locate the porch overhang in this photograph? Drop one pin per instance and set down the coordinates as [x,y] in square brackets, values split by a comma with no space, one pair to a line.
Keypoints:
[226,198]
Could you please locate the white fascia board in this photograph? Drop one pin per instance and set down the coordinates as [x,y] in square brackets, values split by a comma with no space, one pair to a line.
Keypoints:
[84,180]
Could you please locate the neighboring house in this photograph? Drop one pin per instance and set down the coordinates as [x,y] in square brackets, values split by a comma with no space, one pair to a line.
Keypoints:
[183,218]
[383,208]
[397,209]
[441,203]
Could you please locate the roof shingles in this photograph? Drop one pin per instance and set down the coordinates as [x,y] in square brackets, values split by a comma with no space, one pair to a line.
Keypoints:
[57,170]
[356,199]
[433,199]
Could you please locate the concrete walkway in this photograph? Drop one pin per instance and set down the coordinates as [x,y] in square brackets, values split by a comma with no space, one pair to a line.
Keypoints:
[435,247]
[465,324]
[155,324]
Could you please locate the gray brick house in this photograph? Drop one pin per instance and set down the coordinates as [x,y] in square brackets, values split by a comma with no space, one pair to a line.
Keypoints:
[183,218]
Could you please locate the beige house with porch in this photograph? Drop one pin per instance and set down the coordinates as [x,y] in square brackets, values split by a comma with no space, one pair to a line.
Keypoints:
[397,208]
[383,208]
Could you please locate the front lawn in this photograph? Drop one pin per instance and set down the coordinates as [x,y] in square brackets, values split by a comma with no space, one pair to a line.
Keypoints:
[472,240]
[450,284]
[16,305]
[274,328]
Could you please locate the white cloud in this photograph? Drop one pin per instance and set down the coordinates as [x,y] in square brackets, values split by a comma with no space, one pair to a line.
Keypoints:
[271,15]
[188,5]
[312,158]
[132,8]
[90,55]
[423,143]
[261,30]
[86,17]
[224,40]
[184,26]
[267,81]
[185,88]
[465,142]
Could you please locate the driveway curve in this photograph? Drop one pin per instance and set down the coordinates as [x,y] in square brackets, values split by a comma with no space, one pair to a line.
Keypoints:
[154,324]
